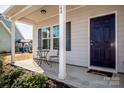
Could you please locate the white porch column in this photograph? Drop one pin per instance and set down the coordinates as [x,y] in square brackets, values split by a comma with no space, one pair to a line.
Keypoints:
[35,40]
[13,42]
[62,47]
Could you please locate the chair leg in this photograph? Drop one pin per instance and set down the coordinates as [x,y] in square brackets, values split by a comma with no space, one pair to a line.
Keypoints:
[41,62]
[49,63]
[38,62]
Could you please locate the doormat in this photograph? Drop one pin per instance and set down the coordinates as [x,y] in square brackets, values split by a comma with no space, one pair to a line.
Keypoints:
[108,74]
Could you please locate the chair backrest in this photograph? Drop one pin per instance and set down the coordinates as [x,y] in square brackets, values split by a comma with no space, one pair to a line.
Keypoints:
[39,53]
[45,53]
[42,53]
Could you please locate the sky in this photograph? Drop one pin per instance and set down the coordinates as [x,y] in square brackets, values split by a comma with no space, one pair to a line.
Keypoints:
[25,30]
[3,8]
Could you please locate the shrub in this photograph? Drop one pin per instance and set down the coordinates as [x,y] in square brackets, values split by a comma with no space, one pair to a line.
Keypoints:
[1,61]
[8,78]
[15,77]
[1,64]
[31,81]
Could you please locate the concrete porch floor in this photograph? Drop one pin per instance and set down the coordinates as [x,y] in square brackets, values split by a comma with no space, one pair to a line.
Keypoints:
[76,76]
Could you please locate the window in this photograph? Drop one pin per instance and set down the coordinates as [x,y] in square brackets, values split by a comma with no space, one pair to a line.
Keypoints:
[46,38]
[56,37]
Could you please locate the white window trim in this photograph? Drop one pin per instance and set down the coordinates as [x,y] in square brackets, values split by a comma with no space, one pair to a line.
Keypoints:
[51,35]
[54,37]
[47,36]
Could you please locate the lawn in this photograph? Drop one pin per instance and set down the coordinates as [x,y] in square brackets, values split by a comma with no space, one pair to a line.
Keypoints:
[18,57]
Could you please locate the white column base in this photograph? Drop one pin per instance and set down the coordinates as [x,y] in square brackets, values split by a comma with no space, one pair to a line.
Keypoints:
[62,76]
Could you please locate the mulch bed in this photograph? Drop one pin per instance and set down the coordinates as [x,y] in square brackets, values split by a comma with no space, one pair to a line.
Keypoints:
[55,84]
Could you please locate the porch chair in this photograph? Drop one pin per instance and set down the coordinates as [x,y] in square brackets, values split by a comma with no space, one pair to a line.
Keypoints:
[54,56]
[42,57]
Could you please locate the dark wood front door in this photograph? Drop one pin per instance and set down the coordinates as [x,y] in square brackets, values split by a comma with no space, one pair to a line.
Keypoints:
[102,41]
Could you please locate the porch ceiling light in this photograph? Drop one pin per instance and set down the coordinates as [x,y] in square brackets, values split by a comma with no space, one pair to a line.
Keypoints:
[43,11]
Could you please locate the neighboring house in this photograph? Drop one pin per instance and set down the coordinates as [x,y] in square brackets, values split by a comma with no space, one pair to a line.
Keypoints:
[94,34]
[5,34]
[24,45]
[25,41]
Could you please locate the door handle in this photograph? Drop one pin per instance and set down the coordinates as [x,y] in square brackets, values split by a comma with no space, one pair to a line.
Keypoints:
[91,44]
[112,44]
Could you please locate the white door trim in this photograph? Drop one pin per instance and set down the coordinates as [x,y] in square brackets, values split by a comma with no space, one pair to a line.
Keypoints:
[116,51]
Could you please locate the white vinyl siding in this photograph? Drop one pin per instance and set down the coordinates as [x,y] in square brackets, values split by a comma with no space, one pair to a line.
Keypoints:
[79,33]
[5,41]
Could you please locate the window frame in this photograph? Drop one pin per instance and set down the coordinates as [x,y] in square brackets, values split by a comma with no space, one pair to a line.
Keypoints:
[54,37]
[47,38]
[51,35]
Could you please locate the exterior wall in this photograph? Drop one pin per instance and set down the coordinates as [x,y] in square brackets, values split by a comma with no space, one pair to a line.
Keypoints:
[8,24]
[5,41]
[5,36]
[80,40]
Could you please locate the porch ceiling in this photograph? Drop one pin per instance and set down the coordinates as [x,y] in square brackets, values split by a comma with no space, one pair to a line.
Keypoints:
[13,9]
[32,14]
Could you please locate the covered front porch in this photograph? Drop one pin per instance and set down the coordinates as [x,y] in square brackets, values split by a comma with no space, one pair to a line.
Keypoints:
[79,57]
[30,15]
[77,76]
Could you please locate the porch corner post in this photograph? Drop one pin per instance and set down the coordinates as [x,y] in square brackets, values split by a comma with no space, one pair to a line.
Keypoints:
[33,47]
[35,40]
[12,42]
[62,43]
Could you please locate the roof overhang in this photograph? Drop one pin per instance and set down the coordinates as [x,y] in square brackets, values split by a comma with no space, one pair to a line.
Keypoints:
[30,14]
